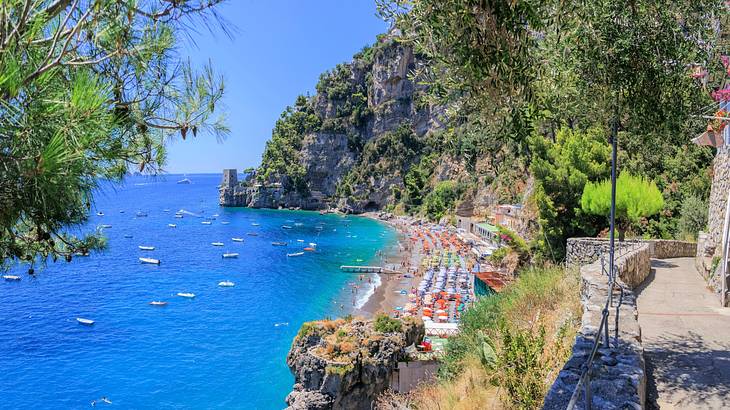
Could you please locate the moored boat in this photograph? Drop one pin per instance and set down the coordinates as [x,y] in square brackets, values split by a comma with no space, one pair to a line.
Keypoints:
[226,284]
[100,213]
[146,248]
[295,254]
[11,278]
[217,243]
[278,243]
[151,261]
[237,239]
[85,322]
[224,222]
[178,216]
[141,214]
[106,226]
[184,181]
[255,224]
[158,303]
[286,227]
[127,236]
[252,234]
[172,225]
[206,222]
[186,295]
[309,249]
[230,255]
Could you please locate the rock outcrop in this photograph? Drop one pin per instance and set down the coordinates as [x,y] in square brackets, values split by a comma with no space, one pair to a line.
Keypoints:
[350,145]
[345,364]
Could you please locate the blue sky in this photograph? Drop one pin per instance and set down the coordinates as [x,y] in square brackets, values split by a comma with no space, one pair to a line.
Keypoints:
[279,49]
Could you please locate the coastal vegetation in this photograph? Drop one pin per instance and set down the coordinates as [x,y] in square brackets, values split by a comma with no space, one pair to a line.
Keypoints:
[90,90]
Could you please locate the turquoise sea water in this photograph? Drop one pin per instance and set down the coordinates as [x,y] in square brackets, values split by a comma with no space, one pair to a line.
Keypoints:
[222,349]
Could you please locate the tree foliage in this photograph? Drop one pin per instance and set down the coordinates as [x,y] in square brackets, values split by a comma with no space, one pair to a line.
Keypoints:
[88,90]
[561,170]
[636,198]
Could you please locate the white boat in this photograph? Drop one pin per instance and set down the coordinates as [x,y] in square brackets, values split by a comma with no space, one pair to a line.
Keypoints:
[179,216]
[312,244]
[230,255]
[146,248]
[224,222]
[278,243]
[217,243]
[298,224]
[300,240]
[141,214]
[100,213]
[150,261]
[237,239]
[86,322]
[206,222]
[215,215]
[106,226]
[295,254]
[186,295]
[165,210]
[226,284]
[184,181]
[121,211]
[255,224]
[11,278]
[172,225]
[158,303]
[285,227]
[252,234]
[127,236]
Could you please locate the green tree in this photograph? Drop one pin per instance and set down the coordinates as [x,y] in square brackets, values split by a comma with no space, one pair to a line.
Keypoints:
[693,217]
[442,199]
[636,198]
[90,89]
[561,170]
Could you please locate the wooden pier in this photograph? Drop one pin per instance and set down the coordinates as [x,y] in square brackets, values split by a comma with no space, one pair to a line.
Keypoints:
[367,269]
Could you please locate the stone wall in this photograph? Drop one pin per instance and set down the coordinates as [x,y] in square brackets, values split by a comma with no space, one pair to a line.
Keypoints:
[580,251]
[618,380]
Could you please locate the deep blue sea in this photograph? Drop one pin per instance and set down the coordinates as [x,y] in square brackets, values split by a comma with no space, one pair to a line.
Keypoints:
[222,349]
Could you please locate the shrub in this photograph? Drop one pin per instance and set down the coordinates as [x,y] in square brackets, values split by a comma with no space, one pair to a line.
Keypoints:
[385,324]
[693,216]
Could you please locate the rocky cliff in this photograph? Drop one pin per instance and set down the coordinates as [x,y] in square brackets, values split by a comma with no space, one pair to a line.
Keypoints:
[346,364]
[350,145]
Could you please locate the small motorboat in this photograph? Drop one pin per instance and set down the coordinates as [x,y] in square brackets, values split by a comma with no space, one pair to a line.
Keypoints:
[186,295]
[226,284]
[146,248]
[309,249]
[230,255]
[255,224]
[172,225]
[178,216]
[184,181]
[165,210]
[295,254]
[300,240]
[206,222]
[100,213]
[106,226]
[286,227]
[278,243]
[121,211]
[150,261]
[252,234]
[11,278]
[224,222]
[298,224]
[81,253]
[85,322]
[312,244]
[158,303]
[217,243]
[237,239]
[141,214]
[127,236]
[215,215]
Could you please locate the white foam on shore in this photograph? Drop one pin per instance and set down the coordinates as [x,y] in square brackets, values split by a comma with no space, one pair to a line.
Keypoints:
[369,292]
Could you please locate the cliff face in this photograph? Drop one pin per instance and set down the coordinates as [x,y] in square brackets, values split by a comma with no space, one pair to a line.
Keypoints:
[349,145]
[346,364]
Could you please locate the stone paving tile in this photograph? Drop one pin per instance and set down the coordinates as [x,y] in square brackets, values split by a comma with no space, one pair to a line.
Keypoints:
[686,338]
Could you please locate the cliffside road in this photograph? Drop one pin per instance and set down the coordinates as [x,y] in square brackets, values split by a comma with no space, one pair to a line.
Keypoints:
[686,337]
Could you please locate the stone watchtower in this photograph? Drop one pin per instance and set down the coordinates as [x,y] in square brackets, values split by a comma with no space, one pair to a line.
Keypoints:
[230,178]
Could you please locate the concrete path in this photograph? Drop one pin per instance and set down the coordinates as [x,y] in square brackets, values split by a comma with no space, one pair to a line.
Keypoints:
[686,338]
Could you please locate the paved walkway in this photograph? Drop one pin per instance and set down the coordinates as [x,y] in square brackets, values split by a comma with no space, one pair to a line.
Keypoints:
[686,338]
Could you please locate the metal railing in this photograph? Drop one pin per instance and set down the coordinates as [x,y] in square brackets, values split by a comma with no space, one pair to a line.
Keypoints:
[602,333]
